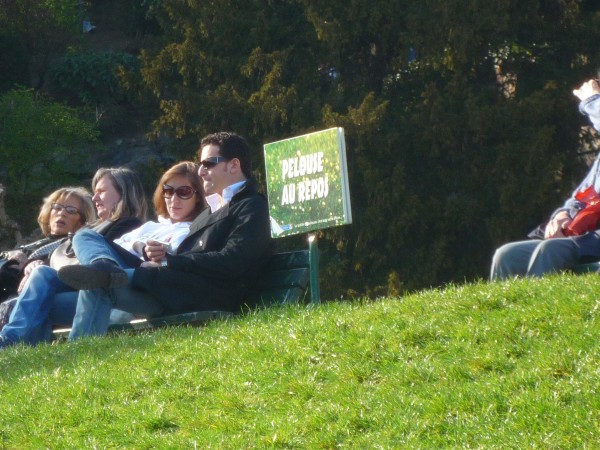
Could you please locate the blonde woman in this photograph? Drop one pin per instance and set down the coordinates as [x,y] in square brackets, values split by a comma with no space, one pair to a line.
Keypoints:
[64,211]
[121,206]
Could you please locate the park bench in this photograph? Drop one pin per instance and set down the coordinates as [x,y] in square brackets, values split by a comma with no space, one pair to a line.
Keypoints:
[286,279]
[586,268]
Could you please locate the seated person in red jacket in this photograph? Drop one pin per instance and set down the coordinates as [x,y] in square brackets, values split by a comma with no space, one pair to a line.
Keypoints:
[571,235]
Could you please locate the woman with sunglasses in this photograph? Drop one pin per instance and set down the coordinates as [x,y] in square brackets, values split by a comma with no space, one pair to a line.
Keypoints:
[177,200]
[121,206]
[64,211]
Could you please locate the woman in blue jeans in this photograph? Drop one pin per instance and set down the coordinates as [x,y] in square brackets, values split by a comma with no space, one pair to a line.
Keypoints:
[121,206]
[180,194]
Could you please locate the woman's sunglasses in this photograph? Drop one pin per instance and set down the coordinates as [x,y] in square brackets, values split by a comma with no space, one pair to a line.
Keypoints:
[183,192]
[69,209]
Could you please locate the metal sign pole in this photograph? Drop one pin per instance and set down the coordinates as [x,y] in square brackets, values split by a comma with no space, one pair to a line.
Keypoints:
[313,261]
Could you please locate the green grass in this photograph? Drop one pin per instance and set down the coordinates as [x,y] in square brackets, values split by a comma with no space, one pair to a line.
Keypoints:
[505,365]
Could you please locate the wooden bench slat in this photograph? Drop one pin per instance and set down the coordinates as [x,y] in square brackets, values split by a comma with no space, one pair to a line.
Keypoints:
[191,318]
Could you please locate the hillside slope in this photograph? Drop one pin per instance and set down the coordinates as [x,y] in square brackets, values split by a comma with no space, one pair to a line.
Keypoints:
[506,365]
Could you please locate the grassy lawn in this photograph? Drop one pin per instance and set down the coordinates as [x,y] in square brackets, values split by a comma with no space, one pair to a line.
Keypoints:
[505,365]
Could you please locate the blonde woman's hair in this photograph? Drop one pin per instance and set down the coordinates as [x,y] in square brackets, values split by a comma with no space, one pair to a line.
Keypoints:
[186,169]
[87,212]
[133,201]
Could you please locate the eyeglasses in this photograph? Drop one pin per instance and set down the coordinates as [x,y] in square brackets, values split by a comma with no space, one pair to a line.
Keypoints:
[183,192]
[69,209]
[212,161]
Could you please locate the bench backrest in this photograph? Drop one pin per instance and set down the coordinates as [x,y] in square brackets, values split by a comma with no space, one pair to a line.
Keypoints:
[285,279]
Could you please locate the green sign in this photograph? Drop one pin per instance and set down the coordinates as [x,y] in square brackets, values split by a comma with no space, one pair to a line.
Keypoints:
[307,182]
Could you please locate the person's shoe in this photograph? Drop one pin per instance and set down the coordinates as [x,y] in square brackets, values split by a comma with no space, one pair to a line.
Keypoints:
[93,276]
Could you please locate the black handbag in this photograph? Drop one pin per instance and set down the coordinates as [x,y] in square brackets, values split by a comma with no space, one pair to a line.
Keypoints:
[6,308]
[9,278]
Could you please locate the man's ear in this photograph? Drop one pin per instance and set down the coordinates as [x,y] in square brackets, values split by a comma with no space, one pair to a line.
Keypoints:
[235,165]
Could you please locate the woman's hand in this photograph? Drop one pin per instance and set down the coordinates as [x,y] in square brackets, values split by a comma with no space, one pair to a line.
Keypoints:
[555,228]
[138,247]
[19,256]
[155,251]
[27,271]
[150,264]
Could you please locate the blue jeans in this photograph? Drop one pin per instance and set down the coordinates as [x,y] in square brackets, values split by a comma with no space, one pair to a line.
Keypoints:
[534,258]
[38,309]
[94,306]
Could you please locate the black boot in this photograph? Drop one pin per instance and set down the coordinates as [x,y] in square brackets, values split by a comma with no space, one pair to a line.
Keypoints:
[102,273]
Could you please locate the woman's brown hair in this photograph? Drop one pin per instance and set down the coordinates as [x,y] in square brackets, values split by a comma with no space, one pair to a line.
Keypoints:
[186,169]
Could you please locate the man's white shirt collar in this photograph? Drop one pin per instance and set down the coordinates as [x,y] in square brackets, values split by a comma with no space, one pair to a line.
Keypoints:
[216,201]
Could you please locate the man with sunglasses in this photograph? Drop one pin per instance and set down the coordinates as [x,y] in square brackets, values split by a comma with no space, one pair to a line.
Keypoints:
[213,267]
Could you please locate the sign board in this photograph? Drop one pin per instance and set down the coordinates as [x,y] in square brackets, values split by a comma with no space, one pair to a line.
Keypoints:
[307,182]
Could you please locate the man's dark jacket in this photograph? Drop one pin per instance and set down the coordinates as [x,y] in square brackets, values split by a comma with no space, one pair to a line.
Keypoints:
[215,265]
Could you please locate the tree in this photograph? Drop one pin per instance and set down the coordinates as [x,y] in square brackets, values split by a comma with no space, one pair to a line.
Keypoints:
[13,55]
[44,27]
[461,128]
[222,70]
[43,145]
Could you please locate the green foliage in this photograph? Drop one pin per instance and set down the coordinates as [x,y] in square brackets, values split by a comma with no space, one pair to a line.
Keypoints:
[461,128]
[13,54]
[134,19]
[43,145]
[46,27]
[92,77]
[504,365]
[232,71]
[46,18]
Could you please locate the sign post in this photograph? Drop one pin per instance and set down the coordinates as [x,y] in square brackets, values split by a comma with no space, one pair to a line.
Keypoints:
[313,262]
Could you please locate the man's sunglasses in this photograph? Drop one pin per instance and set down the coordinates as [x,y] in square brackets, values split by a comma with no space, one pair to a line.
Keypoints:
[183,192]
[69,209]
[211,162]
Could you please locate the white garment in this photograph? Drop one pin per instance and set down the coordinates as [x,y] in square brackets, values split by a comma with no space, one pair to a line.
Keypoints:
[216,201]
[164,231]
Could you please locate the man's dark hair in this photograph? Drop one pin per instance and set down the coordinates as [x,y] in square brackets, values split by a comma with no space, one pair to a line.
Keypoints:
[231,146]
